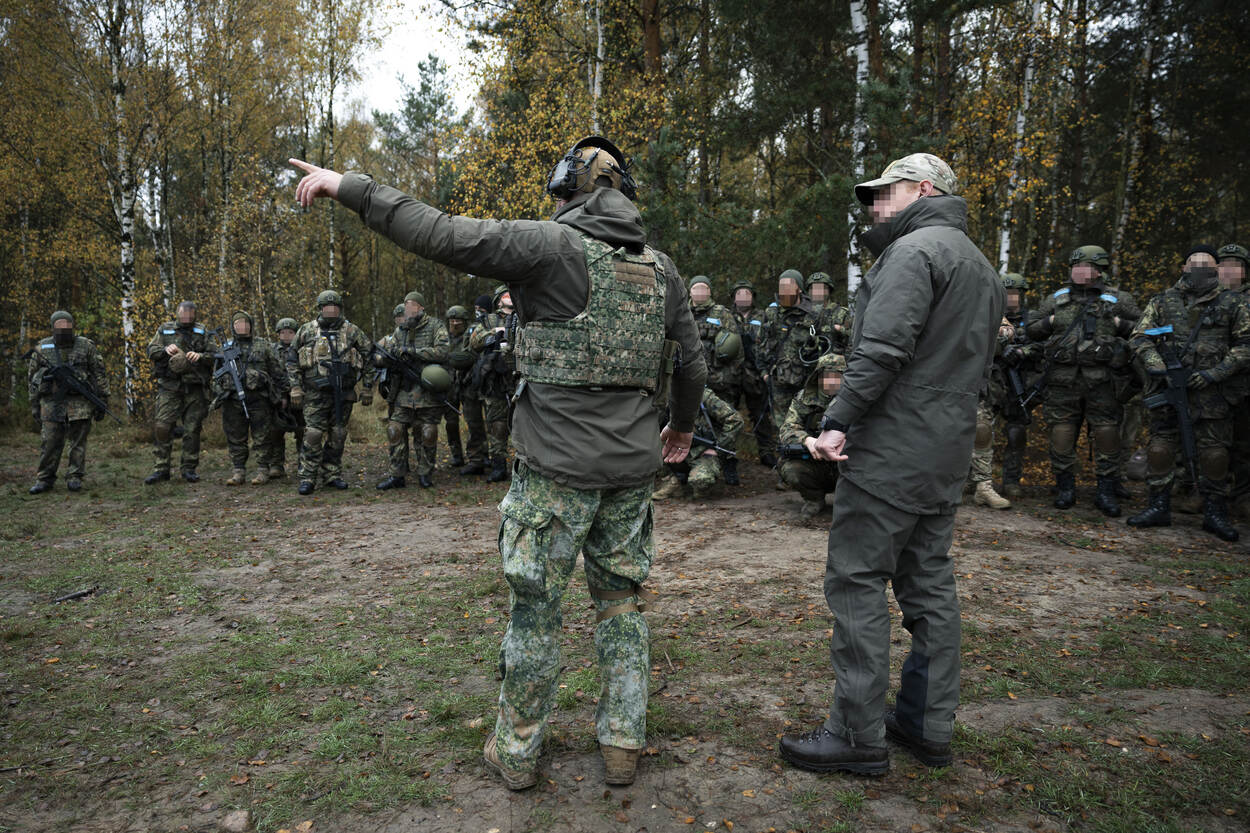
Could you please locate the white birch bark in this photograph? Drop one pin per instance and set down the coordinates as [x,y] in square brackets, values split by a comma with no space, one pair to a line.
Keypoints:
[1017,155]
[859,138]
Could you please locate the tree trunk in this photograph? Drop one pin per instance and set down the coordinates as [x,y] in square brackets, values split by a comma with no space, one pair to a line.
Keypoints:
[1017,154]
[876,60]
[917,60]
[1136,125]
[1080,106]
[705,53]
[942,92]
[651,38]
[859,137]
[596,73]
[16,378]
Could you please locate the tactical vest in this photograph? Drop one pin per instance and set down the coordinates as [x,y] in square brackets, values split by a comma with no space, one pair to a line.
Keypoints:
[312,354]
[77,357]
[252,363]
[1094,339]
[1212,342]
[617,341]
[194,340]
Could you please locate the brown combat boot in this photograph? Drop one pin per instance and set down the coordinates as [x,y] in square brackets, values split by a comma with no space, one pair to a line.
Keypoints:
[986,496]
[619,765]
[238,478]
[276,472]
[261,478]
[514,779]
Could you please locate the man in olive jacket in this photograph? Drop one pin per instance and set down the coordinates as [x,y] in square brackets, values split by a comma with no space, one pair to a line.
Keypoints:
[902,425]
[593,372]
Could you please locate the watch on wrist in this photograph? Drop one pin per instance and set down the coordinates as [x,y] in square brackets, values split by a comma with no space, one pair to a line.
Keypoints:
[831,424]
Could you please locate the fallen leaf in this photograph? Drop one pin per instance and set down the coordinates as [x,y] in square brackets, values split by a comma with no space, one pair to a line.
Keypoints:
[239,780]
[749,793]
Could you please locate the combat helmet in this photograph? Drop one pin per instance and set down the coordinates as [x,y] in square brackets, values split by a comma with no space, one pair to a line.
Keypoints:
[827,362]
[1014,280]
[727,346]
[435,378]
[398,311]
[1233,250]
[820,277]
[285,324]
[329,298]
[457,313]
[1095,255]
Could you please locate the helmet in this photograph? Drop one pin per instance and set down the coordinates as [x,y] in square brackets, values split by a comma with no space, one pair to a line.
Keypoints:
[458,313]
[820,277]
[794,275]
[1096,255]
[499,292]
[698,279]
[743,285]
[727,345]
[61,315]
[588,160]
[1233,250]
[285,324]
[328,298]
[398,311]
[462,358]
[435,378]
[1014,280]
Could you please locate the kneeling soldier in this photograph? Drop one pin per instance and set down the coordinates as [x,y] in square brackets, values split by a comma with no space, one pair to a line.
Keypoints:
[811,478]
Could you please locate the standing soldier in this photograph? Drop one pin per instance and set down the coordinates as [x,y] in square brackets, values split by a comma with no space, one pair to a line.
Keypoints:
[460,362]
[1207,330]
[286,418]
[722,353]
[1012,377]
[835,320]
[387,343]
[716,431]
[585,427]
[801,470]
[420,343]
[750,380]
[182,354]
[328,357]
[1086,372]
[62,412]
[496,369]
[471,403]
[789,343]
[981,471]
[1232,271]
[262,376]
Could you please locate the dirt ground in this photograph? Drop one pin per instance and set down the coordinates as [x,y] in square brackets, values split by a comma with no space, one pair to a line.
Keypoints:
[739,656]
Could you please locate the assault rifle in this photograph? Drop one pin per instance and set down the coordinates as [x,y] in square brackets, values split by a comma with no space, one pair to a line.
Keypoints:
[67,380]
[337,369]
[793,451]
[713,441]
[1176,392]
[229,358]
[410,373]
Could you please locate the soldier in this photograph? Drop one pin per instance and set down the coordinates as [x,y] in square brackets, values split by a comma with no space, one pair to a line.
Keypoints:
[722,353]
[835,320]
[460,359]
[715,443]
[902,428]
[584,426]
[812,478]
[62,412]
[496,370]
[422,343]
[750,381]
[286,417]
[789,342]
[1086,373]
[1233,260]
[1207,329]
[471,403]
[387,343]
[181,353]
[262,375]
[328,357]
[988,402]
[1011,379]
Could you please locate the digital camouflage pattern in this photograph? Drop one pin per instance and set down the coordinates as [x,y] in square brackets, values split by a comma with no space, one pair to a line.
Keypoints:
[290,419]
[712,319]
[1220,349]
[789,346]
[420,341]
[812,479]
[617,341]
[1024,357]
[181,391]
[544,526]
[63,415]
[494,377]
[265,382]
[749,385]
[718,421]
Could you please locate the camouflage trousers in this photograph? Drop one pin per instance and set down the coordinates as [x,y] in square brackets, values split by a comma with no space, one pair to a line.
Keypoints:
[451,422]
[496,426]
[812,479]
[401,419]
[475,421]
[187,406]
[236,428]
[1214,439]
[1240,457]
[275,450]
[782,397]
[983,445]
[1078,399]
[705,470]
[544,526]
[756,396]
[52,439]
[322,452]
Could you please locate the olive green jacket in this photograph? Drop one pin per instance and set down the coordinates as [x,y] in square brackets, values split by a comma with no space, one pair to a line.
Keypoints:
[582,437]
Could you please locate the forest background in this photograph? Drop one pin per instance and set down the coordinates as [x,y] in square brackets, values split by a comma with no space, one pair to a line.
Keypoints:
[143,144]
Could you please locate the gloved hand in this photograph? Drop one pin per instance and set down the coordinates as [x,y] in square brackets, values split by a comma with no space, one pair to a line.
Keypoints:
[1199,379]
[297,397]
[366,397]
[99,414]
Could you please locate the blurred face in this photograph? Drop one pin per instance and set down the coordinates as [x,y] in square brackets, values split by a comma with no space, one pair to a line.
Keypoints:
[1199,260]
[787,292]
[830,382]
[819,293]
[889,200]
[186,315]
[330,311]
[505,303]
[62,332]
[242,328]
[456,326]
[700,293]
[286,335]
[744,298]
[1084,274]
[1232,273]
[412,309]
[1015,299]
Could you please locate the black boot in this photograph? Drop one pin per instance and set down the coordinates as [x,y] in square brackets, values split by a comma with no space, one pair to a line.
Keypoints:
[476,467]
[190,476]
[457,456]
[338,483]
[730,467]
[1105,498]
[1215,519]
[498,470]
[1121,491]
[425,481]
[823,751]
[392,482]
[156,477]
[1065,490]
[73,484]
[305,487]
[40,487]
[1158,512]
[768,460]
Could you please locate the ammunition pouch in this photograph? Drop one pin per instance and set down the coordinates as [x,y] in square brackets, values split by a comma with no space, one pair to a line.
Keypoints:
[668,365]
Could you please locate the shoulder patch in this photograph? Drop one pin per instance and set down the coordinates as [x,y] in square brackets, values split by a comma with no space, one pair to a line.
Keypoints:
[198,329]
[1109,298]
[1158,331]
[167,331]
[756,322]
[1063,291]
[715,321]
[773,304]
[49,346]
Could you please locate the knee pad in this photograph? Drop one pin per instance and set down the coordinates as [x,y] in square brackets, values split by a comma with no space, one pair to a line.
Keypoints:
[338,435]
[394,433]
[163,432]
[1159,458]
[1213,463]
[985,436]
[1063,437]
[313,437]
[429,433]
[1107,439]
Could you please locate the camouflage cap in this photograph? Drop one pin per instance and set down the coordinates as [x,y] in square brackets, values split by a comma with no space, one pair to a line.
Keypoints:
[415,296]
[820,277]
[286,324]
[915,167]
[499,292]
[61,315]
[1095,255]
[831,362]
[1233,250]
[1014,280]
[457,313]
